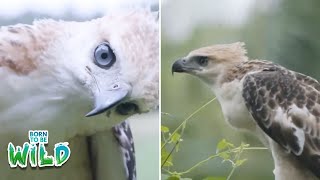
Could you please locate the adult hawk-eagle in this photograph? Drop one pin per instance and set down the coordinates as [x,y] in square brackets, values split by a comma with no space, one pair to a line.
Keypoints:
[280,106]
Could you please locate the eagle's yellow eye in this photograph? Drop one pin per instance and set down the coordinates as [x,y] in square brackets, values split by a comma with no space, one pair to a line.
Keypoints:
[104,56]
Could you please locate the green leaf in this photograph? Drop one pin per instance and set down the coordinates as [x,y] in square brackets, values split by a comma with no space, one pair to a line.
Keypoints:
[177,147]
[165,160]
[168,163]
[164,129]
[223,145]
[173,177]
[175,138]
[240,162]
[225,156]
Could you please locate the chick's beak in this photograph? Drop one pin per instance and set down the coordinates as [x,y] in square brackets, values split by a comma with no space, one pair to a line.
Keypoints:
[105,100]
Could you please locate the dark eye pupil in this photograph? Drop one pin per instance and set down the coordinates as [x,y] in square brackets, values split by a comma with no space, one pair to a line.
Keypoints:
[203,61]
[104,55]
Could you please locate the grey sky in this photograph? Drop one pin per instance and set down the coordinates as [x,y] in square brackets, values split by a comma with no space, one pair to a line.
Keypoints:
[82,8]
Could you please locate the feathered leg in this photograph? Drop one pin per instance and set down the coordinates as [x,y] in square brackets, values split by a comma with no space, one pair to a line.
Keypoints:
[112,155]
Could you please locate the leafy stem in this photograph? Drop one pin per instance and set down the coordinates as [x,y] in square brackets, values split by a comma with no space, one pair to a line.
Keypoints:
[225,150]
[236,163]
[183,124]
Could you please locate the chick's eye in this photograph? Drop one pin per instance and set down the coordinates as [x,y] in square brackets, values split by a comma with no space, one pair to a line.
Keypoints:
[104,56]
[203,61]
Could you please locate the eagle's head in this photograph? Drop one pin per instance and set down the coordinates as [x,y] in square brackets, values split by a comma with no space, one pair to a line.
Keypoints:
[116,62]
[120,68]
[108,65]
[211,62]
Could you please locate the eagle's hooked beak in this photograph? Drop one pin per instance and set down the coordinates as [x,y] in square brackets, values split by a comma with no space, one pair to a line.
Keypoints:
[178,66]
[107,100]
[182,65]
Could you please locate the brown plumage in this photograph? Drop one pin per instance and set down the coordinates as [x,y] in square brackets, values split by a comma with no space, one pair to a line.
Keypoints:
[276,89]
[28,42]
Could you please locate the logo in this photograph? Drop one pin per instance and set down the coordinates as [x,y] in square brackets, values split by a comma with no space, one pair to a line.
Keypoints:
[35,152]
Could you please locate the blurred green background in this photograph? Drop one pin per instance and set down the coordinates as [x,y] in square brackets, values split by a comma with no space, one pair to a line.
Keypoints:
[284,31]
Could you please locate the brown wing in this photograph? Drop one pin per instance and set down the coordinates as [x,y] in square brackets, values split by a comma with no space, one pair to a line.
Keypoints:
[286,106]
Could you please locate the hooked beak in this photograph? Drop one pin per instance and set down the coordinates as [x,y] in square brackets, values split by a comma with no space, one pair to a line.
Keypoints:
[181,66]
[107,100]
